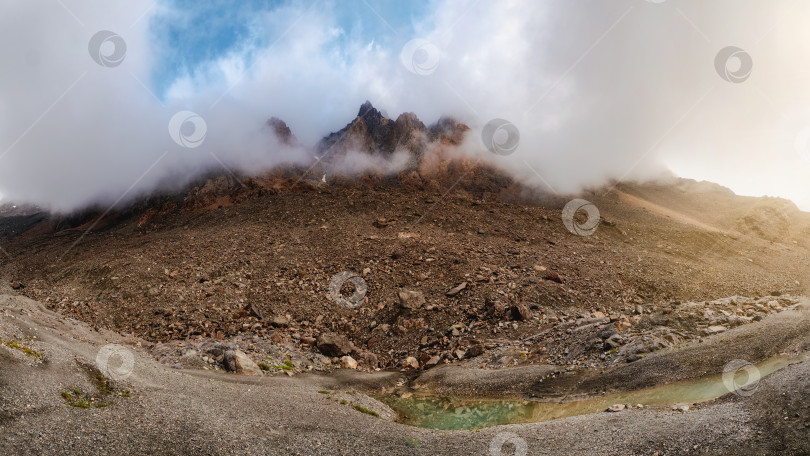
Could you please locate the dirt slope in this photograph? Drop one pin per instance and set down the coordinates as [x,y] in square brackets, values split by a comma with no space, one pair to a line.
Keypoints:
[189,274]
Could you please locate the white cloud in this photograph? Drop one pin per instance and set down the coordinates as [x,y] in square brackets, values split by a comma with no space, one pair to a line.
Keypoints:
[597,89]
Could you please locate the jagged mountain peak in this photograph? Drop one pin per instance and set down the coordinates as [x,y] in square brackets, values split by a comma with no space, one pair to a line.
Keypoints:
[372,132]
[282,131]
[367,109]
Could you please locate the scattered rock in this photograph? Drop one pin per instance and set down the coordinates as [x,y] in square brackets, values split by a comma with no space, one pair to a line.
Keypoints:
[496,309]
[410,362]
[253,310]
[457,289]
[347,362]
[613,342]
[409,299]
[476,349]
[717,329]
[306,340]
[433,361]
[237,361]
[280,321]
[616,408]
[245,365]
[333,344]
[367,359]
[382,223]
[455,330]
[553,276]
[17,285]
[521,312]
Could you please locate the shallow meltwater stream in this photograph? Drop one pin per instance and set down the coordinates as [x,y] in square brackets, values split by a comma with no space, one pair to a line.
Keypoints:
[454,413]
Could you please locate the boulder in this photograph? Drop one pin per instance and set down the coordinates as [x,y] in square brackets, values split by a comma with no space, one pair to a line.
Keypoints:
[347,362]
[410,362]
[476,349]
[333,344]
[409,299]
[237,361]
[521,312]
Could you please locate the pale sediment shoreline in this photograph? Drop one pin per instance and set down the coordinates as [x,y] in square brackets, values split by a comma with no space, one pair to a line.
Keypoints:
[173,411]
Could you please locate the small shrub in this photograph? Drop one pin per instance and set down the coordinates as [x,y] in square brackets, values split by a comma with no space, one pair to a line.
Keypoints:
[362,409]
[413,442]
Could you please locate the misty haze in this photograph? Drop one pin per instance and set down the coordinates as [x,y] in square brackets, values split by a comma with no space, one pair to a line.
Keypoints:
[428,227]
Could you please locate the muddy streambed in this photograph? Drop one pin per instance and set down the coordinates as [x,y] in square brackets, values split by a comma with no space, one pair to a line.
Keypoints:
[454,413]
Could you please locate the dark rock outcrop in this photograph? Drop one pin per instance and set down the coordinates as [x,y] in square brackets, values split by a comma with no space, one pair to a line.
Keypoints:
[371,132]
[282,131]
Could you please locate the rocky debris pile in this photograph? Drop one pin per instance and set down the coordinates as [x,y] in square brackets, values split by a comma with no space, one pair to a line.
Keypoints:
[246,356]
[336,345]
[252,355]
[592,339]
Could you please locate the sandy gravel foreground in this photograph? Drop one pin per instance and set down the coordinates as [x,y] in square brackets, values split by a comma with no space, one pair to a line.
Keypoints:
[170,411]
